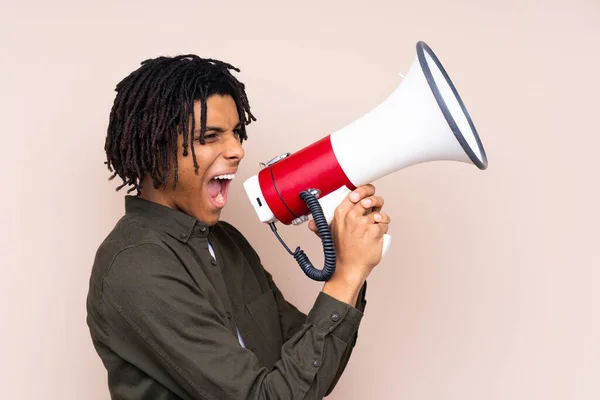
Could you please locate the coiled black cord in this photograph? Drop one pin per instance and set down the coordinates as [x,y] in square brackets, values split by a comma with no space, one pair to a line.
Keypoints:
[326,237]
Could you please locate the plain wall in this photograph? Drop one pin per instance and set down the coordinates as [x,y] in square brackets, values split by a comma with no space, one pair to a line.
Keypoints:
[490,288]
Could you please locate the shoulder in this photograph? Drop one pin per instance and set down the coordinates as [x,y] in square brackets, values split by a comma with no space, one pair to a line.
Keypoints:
[132,259]
[134,245]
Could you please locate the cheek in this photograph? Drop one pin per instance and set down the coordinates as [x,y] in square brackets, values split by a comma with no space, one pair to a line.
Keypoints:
[187,179]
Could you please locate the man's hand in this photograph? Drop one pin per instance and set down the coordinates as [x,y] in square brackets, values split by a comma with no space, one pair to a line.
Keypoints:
[357,228]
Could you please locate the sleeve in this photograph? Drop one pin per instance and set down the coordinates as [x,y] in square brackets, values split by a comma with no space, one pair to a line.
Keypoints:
[361,304]
[292,320]
[161,322]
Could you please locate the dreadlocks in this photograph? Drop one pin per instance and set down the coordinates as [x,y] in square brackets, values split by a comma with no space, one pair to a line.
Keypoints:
[153,105]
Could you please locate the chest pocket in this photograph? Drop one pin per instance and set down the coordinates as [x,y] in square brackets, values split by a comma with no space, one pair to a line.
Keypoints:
[265,314]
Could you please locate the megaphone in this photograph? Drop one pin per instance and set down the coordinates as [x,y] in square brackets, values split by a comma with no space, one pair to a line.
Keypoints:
[424,119]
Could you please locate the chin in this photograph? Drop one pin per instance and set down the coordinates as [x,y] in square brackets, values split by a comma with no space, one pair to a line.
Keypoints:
[213,218]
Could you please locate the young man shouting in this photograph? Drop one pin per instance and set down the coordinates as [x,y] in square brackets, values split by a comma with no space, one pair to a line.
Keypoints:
[179,304]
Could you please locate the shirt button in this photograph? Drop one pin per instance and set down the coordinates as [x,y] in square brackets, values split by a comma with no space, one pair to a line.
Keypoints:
[202,228]
[183,235]
[335,317]
[213,261]
[228,314]
[316,363]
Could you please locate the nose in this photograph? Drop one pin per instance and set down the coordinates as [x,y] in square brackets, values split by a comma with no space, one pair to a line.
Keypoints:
[233,149]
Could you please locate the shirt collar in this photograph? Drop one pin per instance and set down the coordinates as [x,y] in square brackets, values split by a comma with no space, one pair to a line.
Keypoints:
[175,223]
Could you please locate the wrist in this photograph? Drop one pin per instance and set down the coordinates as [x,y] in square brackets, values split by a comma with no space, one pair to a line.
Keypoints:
[345,287]
[353,275]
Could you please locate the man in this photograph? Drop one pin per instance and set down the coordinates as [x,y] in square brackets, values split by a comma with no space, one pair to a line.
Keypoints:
[179,305]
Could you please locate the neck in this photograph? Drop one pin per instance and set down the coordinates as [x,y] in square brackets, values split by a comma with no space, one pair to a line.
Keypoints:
[149,193]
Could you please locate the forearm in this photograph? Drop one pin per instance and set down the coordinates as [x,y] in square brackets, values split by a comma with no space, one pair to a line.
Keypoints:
[345,287]
[360,304]
[293,320]
[330,326]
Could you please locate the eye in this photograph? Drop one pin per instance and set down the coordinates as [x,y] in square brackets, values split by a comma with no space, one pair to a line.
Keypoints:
[210,137]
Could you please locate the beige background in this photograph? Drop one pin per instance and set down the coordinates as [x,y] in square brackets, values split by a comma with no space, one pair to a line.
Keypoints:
[490,288]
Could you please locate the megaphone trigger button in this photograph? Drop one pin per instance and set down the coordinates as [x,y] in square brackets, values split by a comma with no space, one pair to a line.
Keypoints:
[278,158]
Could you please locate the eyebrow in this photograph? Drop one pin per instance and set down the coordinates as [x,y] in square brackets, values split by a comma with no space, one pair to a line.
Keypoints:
[217,129]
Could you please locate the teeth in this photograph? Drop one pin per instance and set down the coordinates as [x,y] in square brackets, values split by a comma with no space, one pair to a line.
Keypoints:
[226,176]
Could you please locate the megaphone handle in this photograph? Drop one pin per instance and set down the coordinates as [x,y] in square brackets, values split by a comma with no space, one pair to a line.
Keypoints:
[387,239]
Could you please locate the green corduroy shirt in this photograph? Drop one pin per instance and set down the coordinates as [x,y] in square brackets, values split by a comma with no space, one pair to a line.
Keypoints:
[170,321]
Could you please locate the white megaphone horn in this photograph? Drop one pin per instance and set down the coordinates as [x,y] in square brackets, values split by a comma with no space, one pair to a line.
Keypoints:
[423,120]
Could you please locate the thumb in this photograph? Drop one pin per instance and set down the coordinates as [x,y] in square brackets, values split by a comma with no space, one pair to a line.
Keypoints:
[313,227]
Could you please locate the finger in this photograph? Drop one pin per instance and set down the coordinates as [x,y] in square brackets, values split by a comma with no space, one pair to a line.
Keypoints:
[365,206]
[379,229]
[379,218]
[372,203]
[313,227]
[361,192]
[356,195]
[384,228]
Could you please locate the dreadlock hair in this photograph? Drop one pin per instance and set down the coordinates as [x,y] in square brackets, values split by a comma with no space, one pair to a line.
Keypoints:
[153,106]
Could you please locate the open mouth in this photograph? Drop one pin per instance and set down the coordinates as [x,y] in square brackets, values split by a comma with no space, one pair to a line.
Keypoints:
[218,188]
